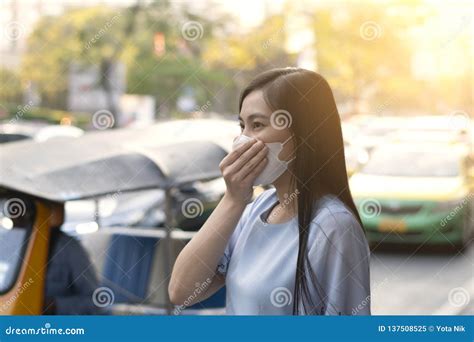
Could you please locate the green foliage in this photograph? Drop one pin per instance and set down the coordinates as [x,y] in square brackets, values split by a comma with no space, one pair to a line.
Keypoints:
[93,35]
[84,36]
[10,86]
[362,50]
[51,116]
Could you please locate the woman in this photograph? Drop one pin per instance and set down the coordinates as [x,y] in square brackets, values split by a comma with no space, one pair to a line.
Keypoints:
[298,248]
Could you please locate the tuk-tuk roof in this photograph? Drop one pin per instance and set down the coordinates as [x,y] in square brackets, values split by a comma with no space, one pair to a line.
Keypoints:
[107,162]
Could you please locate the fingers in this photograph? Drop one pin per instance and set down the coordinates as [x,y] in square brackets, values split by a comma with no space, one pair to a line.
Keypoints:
[252,163]
[256,170]
[248,160]
[247,156]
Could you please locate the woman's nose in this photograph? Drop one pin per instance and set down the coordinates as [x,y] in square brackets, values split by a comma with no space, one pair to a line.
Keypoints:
[248,134]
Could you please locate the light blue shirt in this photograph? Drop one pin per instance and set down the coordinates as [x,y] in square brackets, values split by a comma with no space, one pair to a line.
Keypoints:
[259,262]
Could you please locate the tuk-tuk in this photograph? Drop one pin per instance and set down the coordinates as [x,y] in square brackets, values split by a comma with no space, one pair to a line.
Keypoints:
[34,175]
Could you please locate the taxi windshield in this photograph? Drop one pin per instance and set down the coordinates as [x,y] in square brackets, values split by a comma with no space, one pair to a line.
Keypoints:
[403,163]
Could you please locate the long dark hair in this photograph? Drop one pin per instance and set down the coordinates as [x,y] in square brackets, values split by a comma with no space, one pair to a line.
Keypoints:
[320,168]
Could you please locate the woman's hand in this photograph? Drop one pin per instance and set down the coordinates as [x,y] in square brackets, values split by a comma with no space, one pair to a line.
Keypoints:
[240,168]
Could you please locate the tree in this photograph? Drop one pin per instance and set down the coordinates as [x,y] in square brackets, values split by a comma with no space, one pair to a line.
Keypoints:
[11,88]
[244,54]
[100,36]
[363,53]
[84,36]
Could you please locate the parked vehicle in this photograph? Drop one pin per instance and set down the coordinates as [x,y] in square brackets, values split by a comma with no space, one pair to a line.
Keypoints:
[417,193]
[105,165]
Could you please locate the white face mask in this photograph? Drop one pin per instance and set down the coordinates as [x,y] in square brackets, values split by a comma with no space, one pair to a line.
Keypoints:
[275,167]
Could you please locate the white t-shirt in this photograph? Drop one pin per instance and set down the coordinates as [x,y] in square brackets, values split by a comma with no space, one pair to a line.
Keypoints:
[259,262]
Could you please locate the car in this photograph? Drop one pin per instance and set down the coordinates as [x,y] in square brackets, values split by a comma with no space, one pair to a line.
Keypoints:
[452,127]
[421,136]
[436,123]
[145,208]
[23,130]
[12,131]
[417,193]
[355,158]
[372,133]
[57,131]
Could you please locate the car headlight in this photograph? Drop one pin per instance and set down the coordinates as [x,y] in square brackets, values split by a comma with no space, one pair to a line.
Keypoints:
[446,206]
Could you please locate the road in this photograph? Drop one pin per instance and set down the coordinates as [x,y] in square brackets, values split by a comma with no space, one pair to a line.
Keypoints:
[422,282]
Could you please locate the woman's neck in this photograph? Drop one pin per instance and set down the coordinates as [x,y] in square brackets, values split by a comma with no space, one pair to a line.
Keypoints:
[286,194]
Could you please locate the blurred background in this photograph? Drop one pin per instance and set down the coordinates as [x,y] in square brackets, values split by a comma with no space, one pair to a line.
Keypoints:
[401,72]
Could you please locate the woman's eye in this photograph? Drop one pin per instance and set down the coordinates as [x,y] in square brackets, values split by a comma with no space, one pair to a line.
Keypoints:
[257,125]
[241,126]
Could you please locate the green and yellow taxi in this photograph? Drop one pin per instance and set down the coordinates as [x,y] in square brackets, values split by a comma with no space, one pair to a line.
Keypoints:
[417,193]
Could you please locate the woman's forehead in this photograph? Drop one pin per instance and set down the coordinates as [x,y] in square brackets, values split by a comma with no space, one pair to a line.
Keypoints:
[254,103]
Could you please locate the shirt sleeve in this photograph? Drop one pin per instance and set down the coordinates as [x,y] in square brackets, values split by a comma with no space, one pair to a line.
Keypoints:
[224,261]
[340,259]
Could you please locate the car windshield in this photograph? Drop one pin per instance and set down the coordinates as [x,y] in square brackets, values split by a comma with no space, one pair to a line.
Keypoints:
[16,221]
[404,163]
